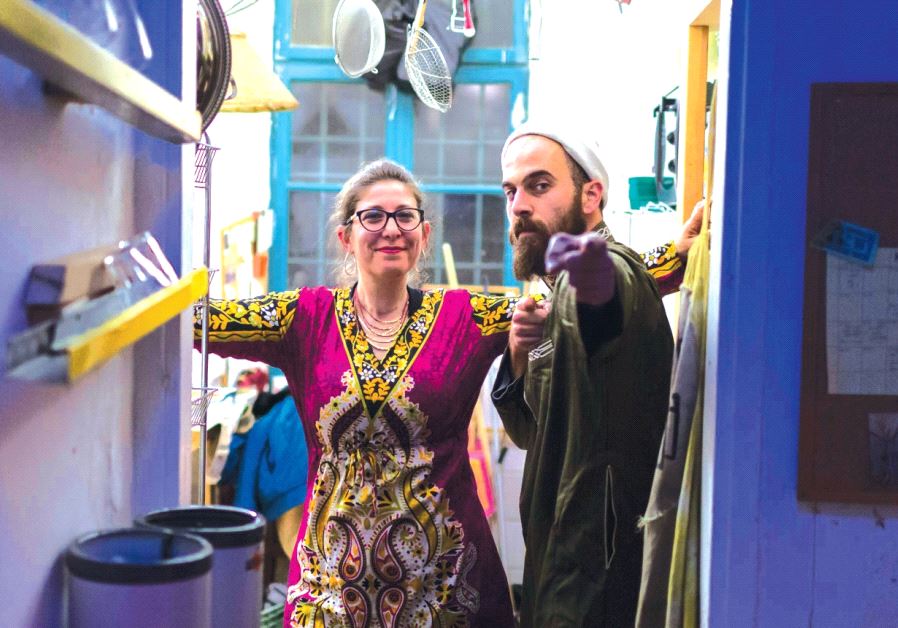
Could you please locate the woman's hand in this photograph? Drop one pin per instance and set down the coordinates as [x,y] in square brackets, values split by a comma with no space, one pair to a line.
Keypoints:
[691,228]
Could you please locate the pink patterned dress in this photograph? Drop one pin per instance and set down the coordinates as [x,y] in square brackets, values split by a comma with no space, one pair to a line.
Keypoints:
[393,533]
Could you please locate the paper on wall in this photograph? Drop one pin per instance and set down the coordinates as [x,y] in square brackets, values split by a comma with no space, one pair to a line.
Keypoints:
[862,325]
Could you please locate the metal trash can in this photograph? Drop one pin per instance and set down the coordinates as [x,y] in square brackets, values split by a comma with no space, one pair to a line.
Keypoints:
[140,578]
[236,534]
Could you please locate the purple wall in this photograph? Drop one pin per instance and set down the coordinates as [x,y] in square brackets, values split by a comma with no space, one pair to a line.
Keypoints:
[94,454]
[773,561]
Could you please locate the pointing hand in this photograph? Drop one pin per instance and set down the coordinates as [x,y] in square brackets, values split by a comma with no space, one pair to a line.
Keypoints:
[588,263]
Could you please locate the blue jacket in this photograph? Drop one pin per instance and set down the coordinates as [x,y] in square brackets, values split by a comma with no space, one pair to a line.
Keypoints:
[269,463]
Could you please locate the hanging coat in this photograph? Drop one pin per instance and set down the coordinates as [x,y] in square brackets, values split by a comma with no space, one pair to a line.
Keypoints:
[669,589]
[268,464]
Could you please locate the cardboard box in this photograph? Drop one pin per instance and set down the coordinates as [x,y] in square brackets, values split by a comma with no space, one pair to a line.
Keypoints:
[54,284]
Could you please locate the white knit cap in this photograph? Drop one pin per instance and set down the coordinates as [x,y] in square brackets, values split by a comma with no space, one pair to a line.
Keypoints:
[578,143]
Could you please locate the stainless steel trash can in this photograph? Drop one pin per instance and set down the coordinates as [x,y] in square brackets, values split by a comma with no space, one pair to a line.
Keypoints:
[236,534]
[140,578]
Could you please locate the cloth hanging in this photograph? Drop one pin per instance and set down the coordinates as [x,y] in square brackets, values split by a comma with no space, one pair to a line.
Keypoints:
[398,15]
[269,464]
[669,590]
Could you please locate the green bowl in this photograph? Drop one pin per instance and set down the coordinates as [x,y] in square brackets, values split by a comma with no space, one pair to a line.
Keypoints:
[643,191]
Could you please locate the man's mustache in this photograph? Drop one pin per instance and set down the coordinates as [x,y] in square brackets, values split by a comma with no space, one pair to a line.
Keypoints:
[524,224]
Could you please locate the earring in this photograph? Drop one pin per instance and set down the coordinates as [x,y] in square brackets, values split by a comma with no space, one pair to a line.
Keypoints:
[419,271]
[422,262]
[349,265]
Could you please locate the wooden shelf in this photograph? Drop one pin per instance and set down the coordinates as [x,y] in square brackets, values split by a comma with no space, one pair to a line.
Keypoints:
[691,160]
[708,15]
[69,60]
[98,345]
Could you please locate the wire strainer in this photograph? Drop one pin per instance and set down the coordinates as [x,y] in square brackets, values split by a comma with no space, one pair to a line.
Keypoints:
[359,37]
[426,66]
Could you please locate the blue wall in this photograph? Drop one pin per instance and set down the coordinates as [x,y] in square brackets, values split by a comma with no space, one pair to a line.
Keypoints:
[94,454]
[775,562]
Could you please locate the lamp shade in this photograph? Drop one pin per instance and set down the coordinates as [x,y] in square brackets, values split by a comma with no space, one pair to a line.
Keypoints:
[257,86]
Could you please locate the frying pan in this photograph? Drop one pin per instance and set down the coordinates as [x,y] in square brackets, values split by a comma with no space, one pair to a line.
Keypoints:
[213,63]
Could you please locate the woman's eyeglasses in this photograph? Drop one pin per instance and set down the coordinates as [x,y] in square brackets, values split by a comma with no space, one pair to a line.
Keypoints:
[375,218]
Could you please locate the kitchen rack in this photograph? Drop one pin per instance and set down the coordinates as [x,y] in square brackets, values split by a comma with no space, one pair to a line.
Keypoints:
[36,358]
[69,60]
[205,153]
[99,344]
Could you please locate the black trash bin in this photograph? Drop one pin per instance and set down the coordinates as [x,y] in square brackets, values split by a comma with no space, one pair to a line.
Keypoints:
[140,578]
[236,534]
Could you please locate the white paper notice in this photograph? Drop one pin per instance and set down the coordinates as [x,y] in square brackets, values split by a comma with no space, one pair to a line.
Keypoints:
[862,325]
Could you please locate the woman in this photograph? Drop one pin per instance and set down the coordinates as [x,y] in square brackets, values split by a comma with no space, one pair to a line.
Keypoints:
[385,378]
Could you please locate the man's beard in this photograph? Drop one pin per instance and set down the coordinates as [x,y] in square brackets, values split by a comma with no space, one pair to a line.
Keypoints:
[530,252]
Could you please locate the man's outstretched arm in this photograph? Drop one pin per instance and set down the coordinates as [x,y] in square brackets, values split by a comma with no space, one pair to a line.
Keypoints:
[667,262]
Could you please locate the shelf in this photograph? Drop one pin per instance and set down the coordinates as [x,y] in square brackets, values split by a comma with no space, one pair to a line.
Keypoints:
[693,107]
[708,15]
[98,345]
[69,60]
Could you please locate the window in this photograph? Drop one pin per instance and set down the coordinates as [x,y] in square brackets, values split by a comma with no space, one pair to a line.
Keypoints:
[342,123]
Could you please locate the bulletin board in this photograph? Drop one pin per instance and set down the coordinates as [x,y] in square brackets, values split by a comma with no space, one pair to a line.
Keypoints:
[852,176]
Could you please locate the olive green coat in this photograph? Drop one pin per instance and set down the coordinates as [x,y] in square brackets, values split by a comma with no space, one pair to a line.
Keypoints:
[591,426]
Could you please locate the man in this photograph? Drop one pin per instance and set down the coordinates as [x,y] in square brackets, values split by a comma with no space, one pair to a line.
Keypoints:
[583,386]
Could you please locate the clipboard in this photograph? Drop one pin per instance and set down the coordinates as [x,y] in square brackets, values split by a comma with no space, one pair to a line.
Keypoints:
[852,176]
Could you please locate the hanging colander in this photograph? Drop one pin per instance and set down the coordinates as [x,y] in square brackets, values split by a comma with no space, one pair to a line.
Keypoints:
[359,38]
[426,66]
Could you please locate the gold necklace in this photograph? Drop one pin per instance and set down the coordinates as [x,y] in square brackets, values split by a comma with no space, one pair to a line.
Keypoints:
[383,332]
[378,340]
[382,344]
[381,338]
[376,334]
[371,316]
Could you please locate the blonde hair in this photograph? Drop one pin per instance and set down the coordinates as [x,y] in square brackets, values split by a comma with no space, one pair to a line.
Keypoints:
[348,199]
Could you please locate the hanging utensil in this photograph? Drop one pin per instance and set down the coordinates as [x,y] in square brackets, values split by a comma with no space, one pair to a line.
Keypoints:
[464,22]
[213,68]
[359,37]
[426,66]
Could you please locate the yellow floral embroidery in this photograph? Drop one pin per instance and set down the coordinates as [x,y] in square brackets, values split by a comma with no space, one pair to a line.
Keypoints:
[492,314]
[375,389]
[662,260]
[265,318]
[377,378]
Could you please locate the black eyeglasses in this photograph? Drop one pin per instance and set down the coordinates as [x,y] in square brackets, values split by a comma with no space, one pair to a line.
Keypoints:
[375,218]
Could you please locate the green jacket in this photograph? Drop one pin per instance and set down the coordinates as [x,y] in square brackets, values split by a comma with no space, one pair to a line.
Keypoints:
[591,425]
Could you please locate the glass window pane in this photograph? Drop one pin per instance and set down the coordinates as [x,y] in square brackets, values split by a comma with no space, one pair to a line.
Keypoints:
[494,20]
[312,243]
[312,20]
[495,232]
[304,274]
[338,127]
[496,111]
[463,144]
[433,213]
[459,225]
[309,211]
[474,225]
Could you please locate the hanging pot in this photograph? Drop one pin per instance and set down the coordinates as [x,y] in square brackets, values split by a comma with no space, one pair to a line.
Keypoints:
[213,63]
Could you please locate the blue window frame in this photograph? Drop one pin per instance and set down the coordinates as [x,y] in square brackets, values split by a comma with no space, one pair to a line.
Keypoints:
[342,122]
